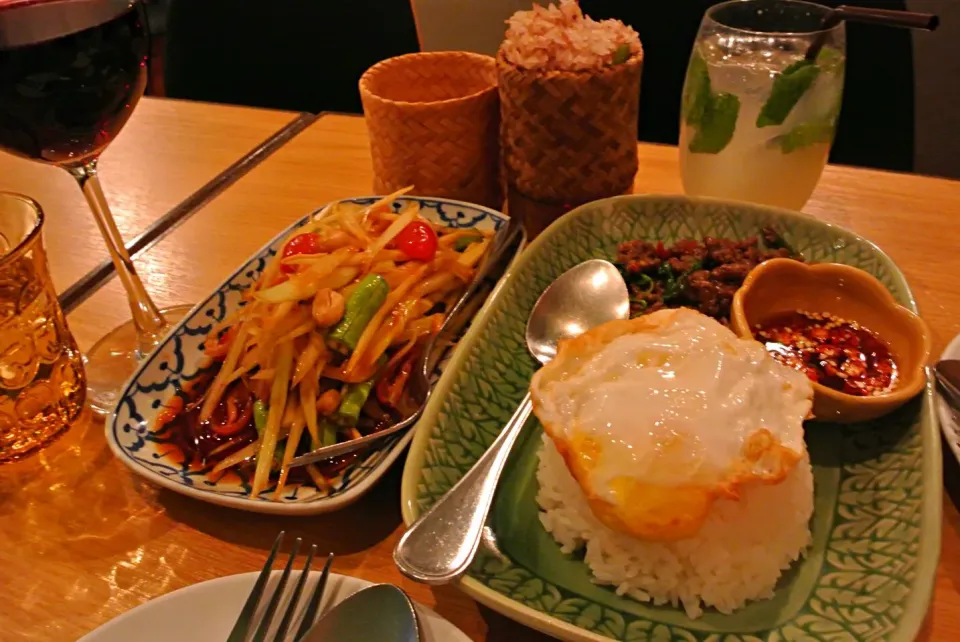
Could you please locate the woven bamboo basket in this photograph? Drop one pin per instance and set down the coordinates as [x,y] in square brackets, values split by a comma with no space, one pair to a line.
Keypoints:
[569,137]
[434,123]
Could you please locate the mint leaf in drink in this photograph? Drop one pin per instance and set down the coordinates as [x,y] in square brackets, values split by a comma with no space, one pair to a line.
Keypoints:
[788,87]
[697,91]
[620,55]
[717,123]
[805,135]
[819,130]
[713,115]
[830,60]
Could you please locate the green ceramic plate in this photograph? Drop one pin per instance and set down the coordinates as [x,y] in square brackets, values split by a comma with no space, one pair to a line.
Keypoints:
[876,526]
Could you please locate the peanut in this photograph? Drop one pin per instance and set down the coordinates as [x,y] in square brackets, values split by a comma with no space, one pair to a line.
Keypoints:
[328,307]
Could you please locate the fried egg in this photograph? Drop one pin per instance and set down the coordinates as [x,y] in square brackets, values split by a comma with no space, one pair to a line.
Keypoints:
[657,417]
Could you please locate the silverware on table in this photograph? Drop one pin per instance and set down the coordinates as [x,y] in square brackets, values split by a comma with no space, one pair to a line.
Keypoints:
[247,618]
[460,315]
[947,374]
[440,545]
[381,613]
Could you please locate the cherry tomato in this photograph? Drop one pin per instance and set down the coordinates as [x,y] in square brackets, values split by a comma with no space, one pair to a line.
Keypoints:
[417,240]
[301,244]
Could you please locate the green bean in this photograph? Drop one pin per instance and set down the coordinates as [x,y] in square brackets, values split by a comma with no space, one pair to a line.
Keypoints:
[351,402]
[360,307]
[328,434]
[466,241]
[277,462]
[259,416]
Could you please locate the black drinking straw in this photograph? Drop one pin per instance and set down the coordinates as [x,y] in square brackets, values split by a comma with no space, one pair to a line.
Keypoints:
[885,17]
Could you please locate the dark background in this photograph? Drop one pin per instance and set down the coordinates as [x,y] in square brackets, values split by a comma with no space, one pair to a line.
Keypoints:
[308,55]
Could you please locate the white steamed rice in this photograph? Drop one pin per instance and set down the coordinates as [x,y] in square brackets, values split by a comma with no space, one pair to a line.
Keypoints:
[737,555]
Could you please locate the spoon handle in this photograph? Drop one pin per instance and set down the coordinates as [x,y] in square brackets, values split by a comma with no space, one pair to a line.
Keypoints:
[440,545]
[346,447]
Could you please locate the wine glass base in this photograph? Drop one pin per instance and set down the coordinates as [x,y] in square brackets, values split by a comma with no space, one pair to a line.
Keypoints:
[112,360]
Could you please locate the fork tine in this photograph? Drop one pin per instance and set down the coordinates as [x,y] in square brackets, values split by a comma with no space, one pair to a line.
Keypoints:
[281,633]
[261,633]
[242,626]
[311,613]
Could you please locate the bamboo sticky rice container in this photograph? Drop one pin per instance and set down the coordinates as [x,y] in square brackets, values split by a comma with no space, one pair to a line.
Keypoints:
[569,104]
[570,136]
[434,123]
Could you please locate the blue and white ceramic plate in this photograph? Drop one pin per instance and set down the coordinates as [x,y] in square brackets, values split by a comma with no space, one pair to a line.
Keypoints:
[180,358]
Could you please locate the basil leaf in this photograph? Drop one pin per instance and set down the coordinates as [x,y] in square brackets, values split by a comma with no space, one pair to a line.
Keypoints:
[717,124]
[644,284]
[671,286]
[788,87]
[693,268]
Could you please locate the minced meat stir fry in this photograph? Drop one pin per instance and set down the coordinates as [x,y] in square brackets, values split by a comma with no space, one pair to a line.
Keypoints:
[703,275]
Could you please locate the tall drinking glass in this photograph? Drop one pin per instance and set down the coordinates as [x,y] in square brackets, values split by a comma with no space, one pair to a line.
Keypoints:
[71,72]
[761,101]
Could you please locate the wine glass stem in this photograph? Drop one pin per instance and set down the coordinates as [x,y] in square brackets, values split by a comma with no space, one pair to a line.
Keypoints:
[147,320]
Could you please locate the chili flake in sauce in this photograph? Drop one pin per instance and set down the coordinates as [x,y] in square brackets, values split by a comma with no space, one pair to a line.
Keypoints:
[831,351]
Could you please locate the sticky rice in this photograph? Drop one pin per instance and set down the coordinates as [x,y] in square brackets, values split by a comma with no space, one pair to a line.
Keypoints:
[560,37]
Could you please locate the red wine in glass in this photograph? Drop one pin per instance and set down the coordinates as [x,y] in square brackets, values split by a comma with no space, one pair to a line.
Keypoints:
[70,76]
[71,72]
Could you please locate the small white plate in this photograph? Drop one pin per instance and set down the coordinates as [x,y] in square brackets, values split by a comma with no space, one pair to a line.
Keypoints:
[207,611]
[949,419]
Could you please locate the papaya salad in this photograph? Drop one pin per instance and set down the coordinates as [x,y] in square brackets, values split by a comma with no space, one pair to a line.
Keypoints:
[325,342]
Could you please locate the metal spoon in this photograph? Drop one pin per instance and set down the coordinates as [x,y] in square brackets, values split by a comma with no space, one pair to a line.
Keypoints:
[440,545]
[382,612]
[460,314]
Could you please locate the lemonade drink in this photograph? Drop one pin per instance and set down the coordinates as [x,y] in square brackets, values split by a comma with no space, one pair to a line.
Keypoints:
[758,118]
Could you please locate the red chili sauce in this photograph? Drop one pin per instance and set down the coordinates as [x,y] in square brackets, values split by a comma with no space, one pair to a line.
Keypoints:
[831,351]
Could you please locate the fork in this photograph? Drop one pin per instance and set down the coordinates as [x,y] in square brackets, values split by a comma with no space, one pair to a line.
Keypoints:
[245,622]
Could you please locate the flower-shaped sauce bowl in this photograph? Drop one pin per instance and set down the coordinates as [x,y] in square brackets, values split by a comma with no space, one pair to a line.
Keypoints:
[782,287]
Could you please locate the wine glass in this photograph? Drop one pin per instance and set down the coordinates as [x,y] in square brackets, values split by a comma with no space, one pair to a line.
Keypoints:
[761,101]
[71,72]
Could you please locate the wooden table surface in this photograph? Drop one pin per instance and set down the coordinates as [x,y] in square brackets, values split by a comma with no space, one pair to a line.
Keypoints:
[144,175]
[83,540]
